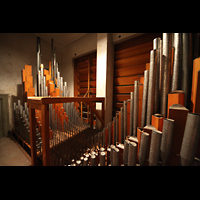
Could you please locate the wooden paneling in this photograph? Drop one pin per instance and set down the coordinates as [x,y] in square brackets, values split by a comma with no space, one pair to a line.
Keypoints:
[81,77]
[130,61]
[130,71]
[129,80]
[133,51]
[123,89]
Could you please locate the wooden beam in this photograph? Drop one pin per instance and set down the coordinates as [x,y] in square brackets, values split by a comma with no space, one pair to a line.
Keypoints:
[32,136]
[45,135]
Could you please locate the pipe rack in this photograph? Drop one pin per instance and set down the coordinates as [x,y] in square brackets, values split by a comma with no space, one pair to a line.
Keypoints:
[41,103]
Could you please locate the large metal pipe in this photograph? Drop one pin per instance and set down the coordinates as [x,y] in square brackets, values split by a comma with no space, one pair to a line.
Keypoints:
[109,133]
[166,142]
[131,113]
[61,86]
[42,79]
[176,67]
[114,129]
[125,119]
[190,139]
[52,59]
[111,153]
[144,143]
[154,153]
[166,71]
[136,106]
[157,45]
[93,160]
[144,98]
[39,82]
[151,88]
[102,158]
[115,157]
[125,152]
[54,64]
[132,153]
[186,72]
[122,124]
[38,62]
[117,128]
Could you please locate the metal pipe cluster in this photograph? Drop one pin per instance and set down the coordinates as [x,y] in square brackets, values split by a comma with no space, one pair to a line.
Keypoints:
[21,120]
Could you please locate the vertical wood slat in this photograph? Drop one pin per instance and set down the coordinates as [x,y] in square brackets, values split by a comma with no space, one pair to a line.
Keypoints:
[32,136]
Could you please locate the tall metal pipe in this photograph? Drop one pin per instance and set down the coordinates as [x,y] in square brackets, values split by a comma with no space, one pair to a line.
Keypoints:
[144,98]
[125,119]
[39,82]
[93,160]
[151,88]
[54,64]
[117,128]
[144,143]
[114,129]
[122,124]
[61,86]
[42,80]
[156,43]
[58,79]
[166,71]
[52,60]
[102,158]
[115,157]
[111,153]
[190,139]
[136,106]
[157,76]
[131,113]
[109,133]
[38,62]
[185,86]
[125,152]
[176,67]
[154,153]
[166,142]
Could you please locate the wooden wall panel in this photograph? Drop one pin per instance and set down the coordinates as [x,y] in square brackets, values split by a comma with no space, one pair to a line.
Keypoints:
[81,77]
[130,61]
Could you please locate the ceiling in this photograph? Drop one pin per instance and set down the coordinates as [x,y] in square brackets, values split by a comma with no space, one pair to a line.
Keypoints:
[60,39]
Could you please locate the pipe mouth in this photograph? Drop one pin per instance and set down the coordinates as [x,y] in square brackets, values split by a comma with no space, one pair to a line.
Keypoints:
[158,115]
[170,120]
[157,131]
[116,149]
[145,133]
[133,144]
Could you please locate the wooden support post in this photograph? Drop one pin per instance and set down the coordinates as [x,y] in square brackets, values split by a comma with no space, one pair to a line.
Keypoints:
[45,134]
[33,136]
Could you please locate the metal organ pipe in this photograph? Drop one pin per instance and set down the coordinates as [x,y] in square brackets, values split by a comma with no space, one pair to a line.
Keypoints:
[166,71]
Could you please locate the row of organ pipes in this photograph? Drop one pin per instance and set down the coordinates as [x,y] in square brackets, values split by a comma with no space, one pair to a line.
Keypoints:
[170,72]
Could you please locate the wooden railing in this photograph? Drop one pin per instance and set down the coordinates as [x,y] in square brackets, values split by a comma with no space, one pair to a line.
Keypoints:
[41,103]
